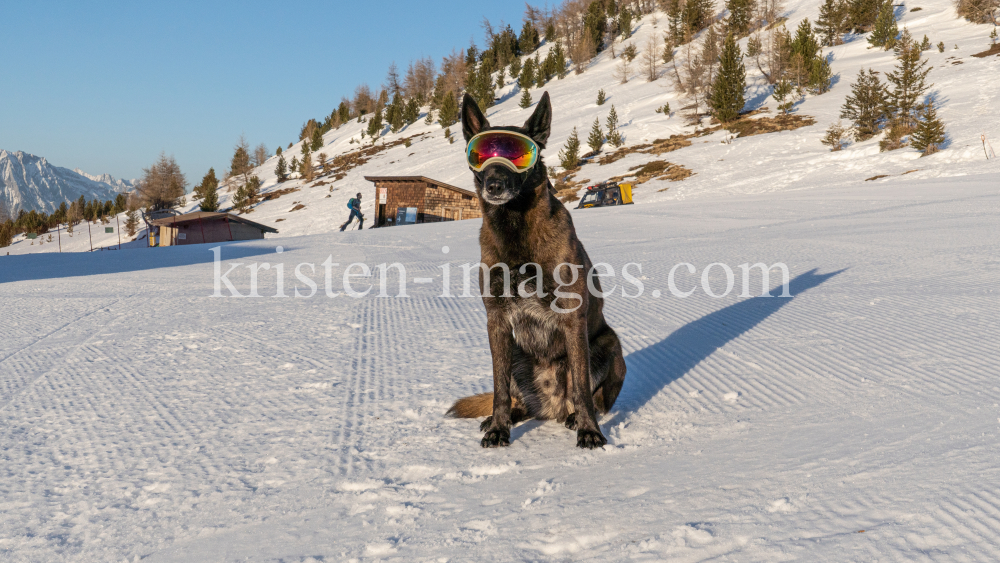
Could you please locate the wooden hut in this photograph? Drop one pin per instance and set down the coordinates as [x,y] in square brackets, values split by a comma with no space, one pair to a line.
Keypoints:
[206,227]
[404,200]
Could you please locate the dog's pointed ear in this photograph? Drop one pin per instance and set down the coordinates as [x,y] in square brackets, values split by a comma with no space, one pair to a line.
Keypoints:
[540,122]
[473,120]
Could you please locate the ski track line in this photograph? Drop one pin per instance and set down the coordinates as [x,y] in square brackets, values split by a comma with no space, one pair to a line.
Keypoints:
[14,393]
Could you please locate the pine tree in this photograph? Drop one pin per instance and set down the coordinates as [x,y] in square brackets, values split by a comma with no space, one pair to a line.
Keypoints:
[394,113]
[241,201]
[727,91]
[865,107]
[625,23]
[375,124]
[278,152]
[834,137]
[907,79]
[569,157]
[306,167]
[832,15]
[539,72]
[596,138]
[527,78]
[132,221]
[209,183]
[515,68]
[925,45]
[929,135]
[885,31]
[740,16]
[528,41]
[317,140]
[448,113]
[294,165]
[210,201]
[412,111]
[560,60]
[525,99]
[601,97]
[861,14]
[281,170]
[614,136]
[782,94]
[430,117]
[820,75]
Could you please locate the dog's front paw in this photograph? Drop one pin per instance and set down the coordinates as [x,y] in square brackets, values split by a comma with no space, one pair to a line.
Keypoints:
[496,438]
[571,421]
[486,424]
[590,439]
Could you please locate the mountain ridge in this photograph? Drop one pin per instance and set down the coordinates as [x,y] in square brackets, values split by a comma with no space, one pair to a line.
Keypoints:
[31,182]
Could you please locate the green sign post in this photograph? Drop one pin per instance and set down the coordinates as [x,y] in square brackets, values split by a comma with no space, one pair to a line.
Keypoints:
[109,229]
[32,235]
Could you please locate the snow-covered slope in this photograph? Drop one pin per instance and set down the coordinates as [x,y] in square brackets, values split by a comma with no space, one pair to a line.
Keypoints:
[145,420]
[964,87]
[30,182]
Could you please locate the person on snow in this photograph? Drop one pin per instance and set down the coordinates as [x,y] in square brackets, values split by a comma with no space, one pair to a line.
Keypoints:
[355,206]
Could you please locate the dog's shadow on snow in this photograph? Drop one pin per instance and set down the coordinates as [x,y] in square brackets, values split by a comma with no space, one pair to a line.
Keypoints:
[651,369]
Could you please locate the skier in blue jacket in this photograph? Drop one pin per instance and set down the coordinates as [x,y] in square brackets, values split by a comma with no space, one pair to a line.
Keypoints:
[355,206]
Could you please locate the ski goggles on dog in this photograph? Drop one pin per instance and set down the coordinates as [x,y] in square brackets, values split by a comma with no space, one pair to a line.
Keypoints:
[513,150]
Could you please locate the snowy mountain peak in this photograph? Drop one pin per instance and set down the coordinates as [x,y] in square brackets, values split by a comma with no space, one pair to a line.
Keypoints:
[30,182]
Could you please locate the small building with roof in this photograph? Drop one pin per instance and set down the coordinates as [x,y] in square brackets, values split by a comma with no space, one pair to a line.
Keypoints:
[405,200]
[205,227]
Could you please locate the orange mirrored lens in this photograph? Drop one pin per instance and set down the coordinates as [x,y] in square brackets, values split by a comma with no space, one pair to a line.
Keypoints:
[520,151]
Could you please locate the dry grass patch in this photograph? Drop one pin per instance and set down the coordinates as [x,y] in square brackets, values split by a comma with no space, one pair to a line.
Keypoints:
[566,188]
[994,50]
[277,193]
[748,127]
[876,177]
[297,207]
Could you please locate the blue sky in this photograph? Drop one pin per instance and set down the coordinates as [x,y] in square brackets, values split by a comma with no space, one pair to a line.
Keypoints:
[107,86]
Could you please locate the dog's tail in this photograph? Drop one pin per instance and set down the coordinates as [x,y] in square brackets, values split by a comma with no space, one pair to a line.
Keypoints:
[473,407]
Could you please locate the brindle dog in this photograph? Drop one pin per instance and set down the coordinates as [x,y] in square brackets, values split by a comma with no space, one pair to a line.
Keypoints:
[547,364]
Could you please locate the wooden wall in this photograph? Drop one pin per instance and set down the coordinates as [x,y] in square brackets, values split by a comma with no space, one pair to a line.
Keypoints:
[434,203]
[214,231]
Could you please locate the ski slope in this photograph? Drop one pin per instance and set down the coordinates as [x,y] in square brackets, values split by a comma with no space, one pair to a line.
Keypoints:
[144,419]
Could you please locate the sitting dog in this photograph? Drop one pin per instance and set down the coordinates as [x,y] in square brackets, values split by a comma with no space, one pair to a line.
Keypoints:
[554,356]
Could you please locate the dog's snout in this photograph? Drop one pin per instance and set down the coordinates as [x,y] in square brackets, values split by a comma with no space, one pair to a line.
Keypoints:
[495,185]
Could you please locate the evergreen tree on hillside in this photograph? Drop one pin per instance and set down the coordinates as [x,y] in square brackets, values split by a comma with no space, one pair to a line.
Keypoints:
[831,22]
[525,99]
[596,139]
[865,106]
[929,135]
[727,92]
[740,16]
[527,78]
[908,79]
[515,68]
[281,170]
[412,111]
[861,14]
[540,77]
[209,183]
[394,113]
[448,114]
[375,124]
[569,156]
[601,97]
[783,95]
[528,41]
[317,140]
[625,23]
[560,58]
[209,201]
[132,221]
[614,135]
[595,22]
[885,31]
